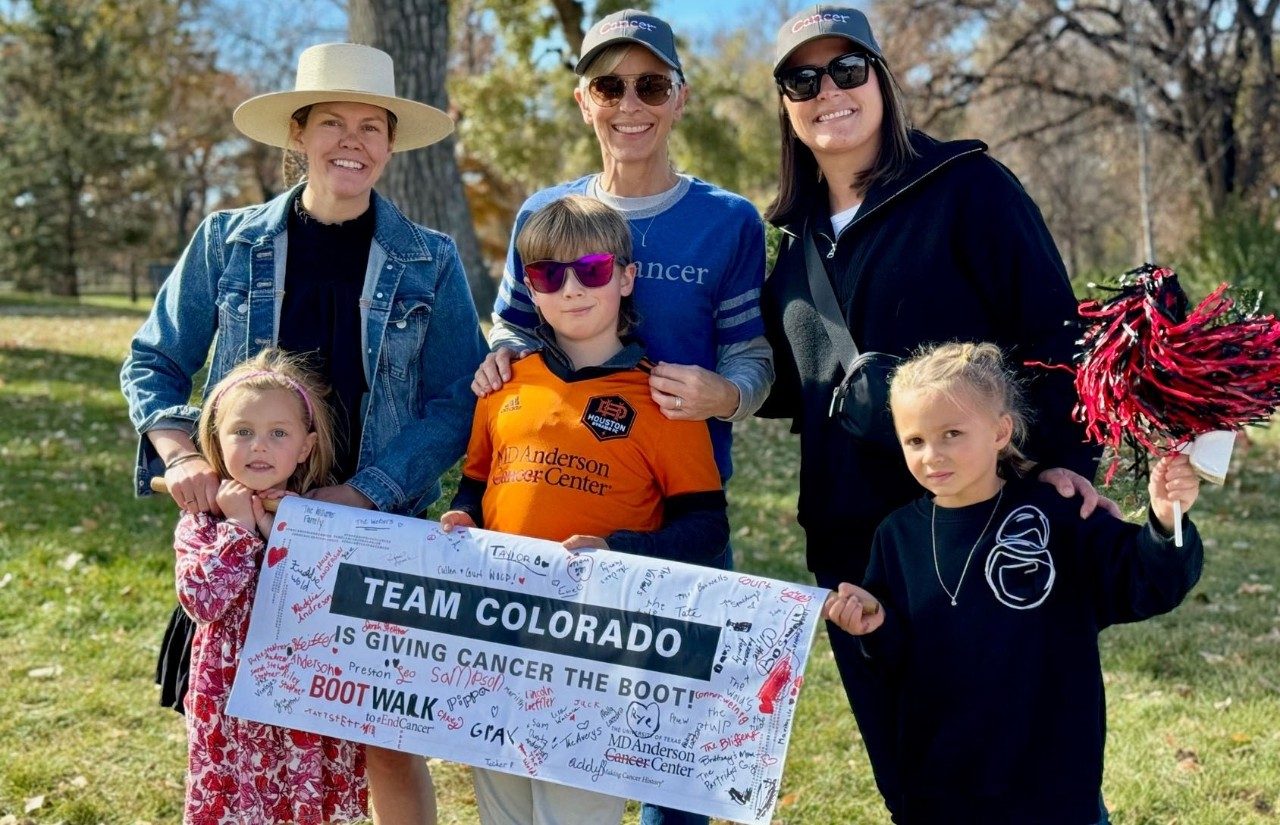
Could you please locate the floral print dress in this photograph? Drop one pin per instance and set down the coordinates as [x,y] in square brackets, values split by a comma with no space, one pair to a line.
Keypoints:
[241,771]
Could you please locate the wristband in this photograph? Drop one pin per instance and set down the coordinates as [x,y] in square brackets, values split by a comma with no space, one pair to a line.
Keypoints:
[182,459]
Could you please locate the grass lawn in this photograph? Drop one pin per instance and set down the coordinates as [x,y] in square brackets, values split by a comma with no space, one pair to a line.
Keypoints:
[86,587]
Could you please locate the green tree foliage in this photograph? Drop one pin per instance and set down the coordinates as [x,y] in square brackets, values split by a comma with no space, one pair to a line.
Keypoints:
[198,145]
[114,137]
[512,84]
[729,133]
[1241,246]
[77,133]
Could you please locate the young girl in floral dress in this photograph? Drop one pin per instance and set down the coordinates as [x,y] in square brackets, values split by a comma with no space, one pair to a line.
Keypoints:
[267,430]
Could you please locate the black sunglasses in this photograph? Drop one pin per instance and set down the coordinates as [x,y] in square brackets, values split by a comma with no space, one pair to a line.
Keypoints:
[848,71]
[652,89]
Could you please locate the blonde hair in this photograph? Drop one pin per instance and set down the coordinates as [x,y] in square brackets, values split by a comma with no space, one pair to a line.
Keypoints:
[611,57]
[274,369]
[576,224]
[980,369]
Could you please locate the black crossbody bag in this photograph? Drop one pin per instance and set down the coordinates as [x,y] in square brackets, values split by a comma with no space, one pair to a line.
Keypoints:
[860,402]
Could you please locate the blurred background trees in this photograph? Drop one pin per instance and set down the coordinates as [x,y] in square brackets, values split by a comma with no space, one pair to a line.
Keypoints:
[116,136]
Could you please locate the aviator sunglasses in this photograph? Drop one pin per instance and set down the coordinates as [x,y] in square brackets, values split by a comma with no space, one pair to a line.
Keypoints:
[592,271]
[799,83]
[609,89]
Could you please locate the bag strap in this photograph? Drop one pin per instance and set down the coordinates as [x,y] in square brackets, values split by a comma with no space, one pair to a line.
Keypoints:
[824,301]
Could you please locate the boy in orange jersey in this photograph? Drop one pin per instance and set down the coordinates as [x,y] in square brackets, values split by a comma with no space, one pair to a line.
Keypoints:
[574,449]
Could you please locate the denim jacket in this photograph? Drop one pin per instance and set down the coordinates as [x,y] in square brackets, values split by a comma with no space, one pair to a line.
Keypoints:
[419,331]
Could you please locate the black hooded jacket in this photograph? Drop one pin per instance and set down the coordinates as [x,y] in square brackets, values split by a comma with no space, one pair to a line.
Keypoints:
[953,250]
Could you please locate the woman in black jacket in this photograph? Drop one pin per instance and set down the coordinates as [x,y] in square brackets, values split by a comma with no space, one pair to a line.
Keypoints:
[922,241]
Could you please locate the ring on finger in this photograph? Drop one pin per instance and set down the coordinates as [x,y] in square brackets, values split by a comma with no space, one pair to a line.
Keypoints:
[679,402]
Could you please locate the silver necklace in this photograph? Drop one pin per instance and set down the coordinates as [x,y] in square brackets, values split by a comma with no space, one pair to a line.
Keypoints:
[616,201]
[644,234]
[933,538]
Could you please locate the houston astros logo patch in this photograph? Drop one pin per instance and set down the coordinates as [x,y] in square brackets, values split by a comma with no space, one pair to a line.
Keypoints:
[609,416]
[1019,568]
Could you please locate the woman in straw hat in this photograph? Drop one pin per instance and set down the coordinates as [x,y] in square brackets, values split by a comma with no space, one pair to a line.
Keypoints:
[379,305]
[906,241]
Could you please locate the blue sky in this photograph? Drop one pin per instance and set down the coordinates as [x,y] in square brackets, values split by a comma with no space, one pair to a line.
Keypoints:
[693,20]
[705,14]
[688,17]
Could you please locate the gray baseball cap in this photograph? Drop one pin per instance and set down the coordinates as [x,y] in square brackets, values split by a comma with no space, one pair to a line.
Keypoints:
[824,21]
[630,26]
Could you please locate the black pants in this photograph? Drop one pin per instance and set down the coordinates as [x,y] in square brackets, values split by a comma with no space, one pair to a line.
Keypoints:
[874,704]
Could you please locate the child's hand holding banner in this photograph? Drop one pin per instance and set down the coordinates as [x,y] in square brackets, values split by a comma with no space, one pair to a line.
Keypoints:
[631,676]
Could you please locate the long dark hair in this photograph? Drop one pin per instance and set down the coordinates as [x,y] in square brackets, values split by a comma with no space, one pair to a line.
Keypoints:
[798,174]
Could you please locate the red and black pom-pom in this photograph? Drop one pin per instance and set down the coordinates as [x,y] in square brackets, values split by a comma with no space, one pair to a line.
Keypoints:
[1153,374]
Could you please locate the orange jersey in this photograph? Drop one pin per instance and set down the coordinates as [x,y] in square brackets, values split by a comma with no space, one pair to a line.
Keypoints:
[587,456]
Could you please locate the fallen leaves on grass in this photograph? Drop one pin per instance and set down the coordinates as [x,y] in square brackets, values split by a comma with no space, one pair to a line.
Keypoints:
[1224,659]
[1253,589]
[47,672]
[33,804]
[1188,760]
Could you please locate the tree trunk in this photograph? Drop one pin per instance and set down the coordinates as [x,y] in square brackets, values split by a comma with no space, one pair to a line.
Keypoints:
[182,208]
[67,280]
[571,17]
[424,183]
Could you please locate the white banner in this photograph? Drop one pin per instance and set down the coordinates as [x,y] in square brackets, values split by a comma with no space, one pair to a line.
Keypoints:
[651,680]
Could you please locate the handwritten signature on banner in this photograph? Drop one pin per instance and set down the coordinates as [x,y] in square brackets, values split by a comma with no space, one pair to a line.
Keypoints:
[631,676]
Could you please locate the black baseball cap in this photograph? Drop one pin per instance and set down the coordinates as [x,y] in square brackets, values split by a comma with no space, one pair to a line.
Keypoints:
[630,26]
[824,21]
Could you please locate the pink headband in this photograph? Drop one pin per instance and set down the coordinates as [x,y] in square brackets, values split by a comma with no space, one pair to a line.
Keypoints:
[298,388]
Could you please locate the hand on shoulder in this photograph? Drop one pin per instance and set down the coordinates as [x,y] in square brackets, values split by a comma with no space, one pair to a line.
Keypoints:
[1069,484]
[495,370]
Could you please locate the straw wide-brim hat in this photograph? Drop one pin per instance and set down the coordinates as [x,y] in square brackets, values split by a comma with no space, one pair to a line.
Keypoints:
[342,73]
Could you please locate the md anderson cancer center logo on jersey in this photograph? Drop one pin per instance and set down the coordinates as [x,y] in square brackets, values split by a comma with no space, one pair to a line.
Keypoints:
[609,417]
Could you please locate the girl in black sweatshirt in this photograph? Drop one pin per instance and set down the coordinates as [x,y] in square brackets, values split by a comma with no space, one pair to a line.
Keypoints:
[984,599]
